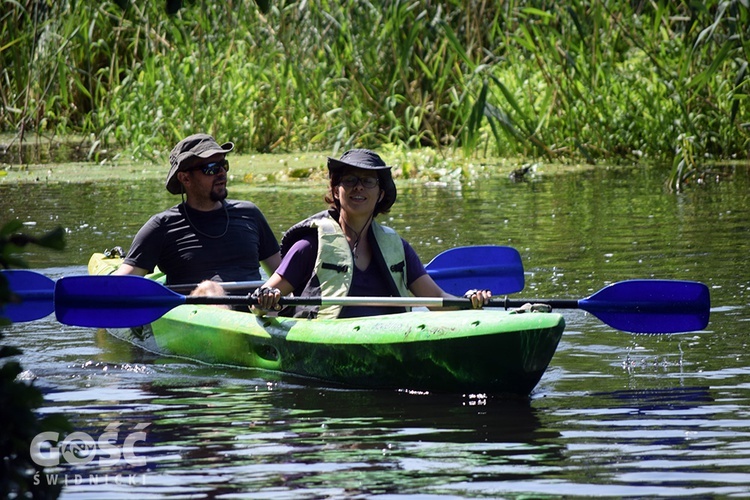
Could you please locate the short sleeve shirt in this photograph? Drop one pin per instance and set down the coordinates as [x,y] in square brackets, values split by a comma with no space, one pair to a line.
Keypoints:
[191,245]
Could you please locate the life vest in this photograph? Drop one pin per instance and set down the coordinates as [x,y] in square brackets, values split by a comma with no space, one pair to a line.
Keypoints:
[334,263]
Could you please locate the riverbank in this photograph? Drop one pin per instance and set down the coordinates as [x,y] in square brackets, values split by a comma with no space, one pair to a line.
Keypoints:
[576,81]
[420,165]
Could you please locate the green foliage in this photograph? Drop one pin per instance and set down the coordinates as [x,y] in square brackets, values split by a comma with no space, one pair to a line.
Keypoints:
[574,80]
[12,242]
[19,424]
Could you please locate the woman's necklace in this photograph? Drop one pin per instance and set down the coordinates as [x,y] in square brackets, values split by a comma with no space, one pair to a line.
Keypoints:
[212,236]
[356,241]
[358,233]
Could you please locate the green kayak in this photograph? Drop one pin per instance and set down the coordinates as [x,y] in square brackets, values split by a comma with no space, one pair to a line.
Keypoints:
[476,351]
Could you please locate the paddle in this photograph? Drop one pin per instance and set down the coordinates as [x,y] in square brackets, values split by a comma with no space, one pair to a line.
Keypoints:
[642,306]
[456,270]
[483,267]
[496,268]
[35,293]
[228,286]
[639,306]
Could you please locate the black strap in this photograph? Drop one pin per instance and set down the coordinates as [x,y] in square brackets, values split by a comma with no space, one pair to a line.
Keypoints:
[399,268]
[335,267]
[380,260]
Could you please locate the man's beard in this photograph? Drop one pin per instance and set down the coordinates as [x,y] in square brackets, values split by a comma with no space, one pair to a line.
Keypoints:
[220,196]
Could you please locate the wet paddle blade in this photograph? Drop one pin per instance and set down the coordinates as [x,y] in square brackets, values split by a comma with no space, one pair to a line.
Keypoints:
[489,267]
[112,301]
[35,292]
[651,306]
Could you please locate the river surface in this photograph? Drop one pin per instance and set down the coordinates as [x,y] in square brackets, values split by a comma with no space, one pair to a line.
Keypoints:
[615,415]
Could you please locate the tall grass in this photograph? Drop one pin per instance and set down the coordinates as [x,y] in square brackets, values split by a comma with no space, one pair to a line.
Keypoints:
[577,80]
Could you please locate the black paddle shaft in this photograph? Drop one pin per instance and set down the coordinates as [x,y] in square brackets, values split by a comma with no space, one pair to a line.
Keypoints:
[248,300]
[317,301]
[554,303]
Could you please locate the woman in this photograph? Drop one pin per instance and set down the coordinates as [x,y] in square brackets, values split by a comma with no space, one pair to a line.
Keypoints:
[342,251]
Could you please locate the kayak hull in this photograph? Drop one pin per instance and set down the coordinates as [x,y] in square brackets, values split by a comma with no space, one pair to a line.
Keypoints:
[475,351]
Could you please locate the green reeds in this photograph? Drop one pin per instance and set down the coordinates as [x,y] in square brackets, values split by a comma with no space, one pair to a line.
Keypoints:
[578,80]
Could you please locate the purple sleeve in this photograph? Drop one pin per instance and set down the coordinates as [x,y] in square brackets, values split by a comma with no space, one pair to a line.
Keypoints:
[414,267]
[298,264]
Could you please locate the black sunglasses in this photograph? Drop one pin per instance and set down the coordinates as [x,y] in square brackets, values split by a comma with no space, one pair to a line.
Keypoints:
[213,168]
[350,181]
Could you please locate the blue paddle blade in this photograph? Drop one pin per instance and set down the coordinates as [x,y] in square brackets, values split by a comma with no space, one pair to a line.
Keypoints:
[487,267]
[35,292]
[651,306]
[112,301]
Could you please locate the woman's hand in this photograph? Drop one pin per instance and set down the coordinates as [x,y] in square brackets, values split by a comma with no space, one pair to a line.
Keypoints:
[479,298]
[266,298]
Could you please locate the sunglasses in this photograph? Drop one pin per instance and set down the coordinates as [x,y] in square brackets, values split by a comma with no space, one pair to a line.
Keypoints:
[213,168]
[350,181]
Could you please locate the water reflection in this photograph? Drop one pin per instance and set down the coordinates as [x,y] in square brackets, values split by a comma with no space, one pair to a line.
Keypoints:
[36,150]
[614,415]
[662,438]
[285,438]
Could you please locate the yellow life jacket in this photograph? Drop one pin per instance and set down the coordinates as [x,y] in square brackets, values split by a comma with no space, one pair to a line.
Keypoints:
[334,264]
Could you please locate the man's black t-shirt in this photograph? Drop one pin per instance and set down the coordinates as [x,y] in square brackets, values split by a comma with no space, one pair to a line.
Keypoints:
[170,240]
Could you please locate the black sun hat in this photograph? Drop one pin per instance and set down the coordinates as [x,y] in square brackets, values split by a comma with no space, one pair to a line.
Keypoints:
[369,160]
[195,146]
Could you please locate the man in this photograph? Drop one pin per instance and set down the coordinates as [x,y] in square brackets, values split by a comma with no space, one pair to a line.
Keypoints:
[206,237]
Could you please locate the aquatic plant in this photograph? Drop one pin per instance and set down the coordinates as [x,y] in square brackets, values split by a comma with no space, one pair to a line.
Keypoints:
[19,424]
[579,80]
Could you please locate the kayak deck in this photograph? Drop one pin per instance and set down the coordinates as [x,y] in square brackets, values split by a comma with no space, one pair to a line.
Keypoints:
[478,351]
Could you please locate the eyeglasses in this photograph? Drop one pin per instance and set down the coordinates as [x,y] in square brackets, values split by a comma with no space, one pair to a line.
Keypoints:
[214,167]
[352,180]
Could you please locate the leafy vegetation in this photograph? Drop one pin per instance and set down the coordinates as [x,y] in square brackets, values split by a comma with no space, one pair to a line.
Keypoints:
[568,81]
[19,424]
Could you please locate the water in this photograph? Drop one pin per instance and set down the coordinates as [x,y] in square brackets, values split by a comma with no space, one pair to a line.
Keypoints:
[616,415]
